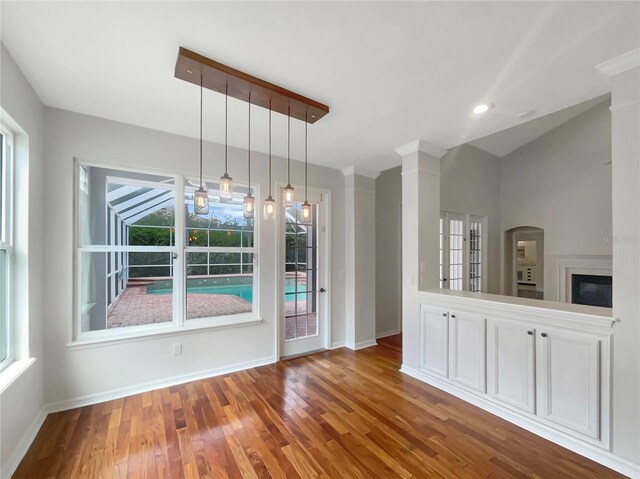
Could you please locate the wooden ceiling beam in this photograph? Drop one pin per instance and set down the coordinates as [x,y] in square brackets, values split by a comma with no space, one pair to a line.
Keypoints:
[216,77]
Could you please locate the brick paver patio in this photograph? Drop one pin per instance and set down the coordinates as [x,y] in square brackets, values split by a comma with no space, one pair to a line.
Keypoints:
[135,307]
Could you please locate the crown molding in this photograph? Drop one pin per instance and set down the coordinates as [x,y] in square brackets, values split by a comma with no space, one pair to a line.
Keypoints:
[423,146]
[620,64]
[355,170]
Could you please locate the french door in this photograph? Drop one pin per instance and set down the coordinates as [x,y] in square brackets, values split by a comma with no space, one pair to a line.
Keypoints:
[462,252]
[303,299]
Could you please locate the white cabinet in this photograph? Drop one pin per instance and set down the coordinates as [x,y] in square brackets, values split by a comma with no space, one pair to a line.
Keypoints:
[434,332]
[467,350]
[510,364]
[551,375]
[568,369]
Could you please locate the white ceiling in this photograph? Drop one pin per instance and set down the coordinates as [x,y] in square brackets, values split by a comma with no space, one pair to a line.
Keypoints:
[391,72]
[506,141]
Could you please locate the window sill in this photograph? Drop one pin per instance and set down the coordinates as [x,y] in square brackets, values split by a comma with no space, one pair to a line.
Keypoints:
[225,323]
[12,372]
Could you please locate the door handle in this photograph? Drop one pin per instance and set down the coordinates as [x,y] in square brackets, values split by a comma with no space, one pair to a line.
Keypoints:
[322,290]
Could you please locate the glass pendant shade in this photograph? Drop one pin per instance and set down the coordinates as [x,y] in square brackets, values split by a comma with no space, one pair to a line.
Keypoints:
[201,202]
[249,206]
[269,208]
[226,187]
[305,213]
[288,196]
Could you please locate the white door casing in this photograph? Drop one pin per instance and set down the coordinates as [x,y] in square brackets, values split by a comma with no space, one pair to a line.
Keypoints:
[320,339]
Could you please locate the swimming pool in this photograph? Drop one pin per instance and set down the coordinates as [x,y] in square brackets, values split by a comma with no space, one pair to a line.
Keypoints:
[242,287]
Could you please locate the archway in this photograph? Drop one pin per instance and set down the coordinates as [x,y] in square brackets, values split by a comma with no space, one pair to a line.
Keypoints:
[524,262]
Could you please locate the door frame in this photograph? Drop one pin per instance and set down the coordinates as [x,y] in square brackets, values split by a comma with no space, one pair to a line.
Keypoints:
[324,276]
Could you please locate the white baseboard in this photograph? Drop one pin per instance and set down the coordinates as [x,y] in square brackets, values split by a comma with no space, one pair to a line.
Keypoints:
[150,386]
[601,456]
[9,468]
[338,344]
[361,344]
[385,334]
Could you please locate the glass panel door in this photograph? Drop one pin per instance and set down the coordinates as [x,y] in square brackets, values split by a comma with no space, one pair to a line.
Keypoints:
[456,253]
[302,253]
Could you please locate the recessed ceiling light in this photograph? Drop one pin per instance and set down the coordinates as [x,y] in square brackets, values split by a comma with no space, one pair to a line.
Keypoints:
[482,108]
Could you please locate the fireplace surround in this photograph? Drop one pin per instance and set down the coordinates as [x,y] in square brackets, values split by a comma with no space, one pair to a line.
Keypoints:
[597,267]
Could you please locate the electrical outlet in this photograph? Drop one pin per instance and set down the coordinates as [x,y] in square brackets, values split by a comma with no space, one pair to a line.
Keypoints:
[177,349]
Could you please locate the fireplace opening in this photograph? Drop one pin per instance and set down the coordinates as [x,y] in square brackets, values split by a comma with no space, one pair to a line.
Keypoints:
[593,290]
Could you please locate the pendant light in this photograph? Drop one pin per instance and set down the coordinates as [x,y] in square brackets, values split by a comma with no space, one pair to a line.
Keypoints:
[249,206]
[288,197]
[305,213]
[226,182]
[269,203]
[201,197]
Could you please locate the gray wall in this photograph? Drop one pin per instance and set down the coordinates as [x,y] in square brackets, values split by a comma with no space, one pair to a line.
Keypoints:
[388,252]
[73,373]
[21,403]
[561,182]
[470,184]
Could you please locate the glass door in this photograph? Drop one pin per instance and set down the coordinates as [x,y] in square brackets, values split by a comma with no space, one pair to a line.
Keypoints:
[303,323]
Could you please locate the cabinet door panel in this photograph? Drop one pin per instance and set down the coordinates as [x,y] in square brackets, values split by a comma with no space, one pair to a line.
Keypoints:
[434,329]
[467,360]
[568,369]
[510,364]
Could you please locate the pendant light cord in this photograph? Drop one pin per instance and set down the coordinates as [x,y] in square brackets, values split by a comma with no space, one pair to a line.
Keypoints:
[289,145]
[269,148]
[226,128]
[305,156]
[249,152]
[200,129]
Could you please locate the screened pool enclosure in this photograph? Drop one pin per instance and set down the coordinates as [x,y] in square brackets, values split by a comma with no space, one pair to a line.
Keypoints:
[132,250]
[142,262]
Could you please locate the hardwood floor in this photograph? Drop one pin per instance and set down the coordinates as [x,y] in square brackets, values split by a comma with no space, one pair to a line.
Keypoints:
[332,415]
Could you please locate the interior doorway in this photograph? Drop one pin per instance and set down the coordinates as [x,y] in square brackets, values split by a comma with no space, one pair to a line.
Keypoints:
[524,262]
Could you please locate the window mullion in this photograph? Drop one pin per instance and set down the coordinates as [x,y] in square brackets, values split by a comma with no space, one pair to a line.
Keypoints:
[179,280]
[466,268]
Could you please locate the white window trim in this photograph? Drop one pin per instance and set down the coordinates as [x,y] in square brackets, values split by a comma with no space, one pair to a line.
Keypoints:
[6,242]
[179,324]
[466,218]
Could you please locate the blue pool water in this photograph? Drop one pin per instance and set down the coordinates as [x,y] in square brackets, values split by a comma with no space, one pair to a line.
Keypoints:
[241,287]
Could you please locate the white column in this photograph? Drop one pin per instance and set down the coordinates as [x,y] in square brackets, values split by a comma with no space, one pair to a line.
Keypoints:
[420,236]
[624,72]
[360,254]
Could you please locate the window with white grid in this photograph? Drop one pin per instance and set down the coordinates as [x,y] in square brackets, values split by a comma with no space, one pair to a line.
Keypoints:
[6,244]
